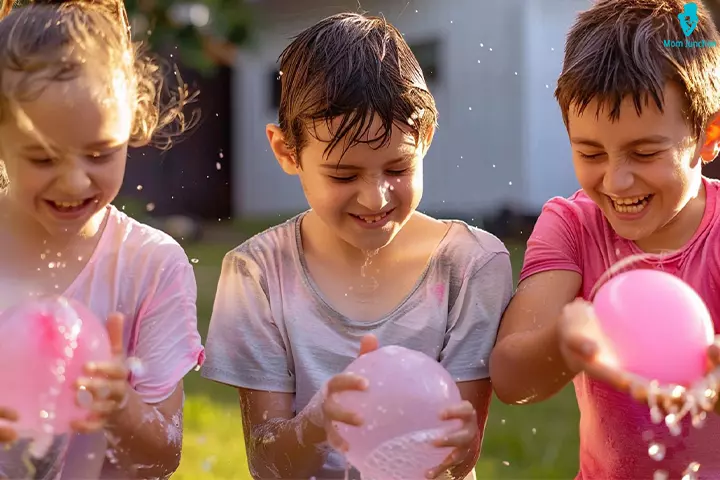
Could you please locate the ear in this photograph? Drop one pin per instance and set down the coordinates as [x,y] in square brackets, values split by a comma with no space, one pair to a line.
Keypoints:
[711,143]
[285,156]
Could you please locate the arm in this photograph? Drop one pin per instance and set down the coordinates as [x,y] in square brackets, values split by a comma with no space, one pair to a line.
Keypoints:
[146,439]
[478,393]
[526,365]
[279,443]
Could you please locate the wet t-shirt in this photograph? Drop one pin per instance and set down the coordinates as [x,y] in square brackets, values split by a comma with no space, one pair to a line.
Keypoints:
[272,330]
[615,431]
[144,274]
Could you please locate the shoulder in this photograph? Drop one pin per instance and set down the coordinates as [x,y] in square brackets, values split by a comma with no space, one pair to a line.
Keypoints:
[470,249]
[265,251]
[140,244]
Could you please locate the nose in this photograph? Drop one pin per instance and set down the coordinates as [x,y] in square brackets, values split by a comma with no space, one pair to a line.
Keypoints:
[374,194]
[619,177]
[74,179]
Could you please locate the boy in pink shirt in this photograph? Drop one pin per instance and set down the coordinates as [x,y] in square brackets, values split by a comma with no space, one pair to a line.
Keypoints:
[641,119]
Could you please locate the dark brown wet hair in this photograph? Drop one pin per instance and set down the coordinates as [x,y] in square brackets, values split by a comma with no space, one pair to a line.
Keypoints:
[620,48]
[354,68]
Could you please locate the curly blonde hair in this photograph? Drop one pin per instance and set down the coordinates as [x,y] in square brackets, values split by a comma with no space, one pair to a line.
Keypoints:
[55,40]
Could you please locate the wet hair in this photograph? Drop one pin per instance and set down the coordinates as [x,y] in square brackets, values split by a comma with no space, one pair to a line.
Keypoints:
[618,49]
[356,69]
[56,40]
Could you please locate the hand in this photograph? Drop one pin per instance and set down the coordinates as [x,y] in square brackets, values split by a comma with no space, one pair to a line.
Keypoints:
[332,411]
[584,348]
[107,383]
[7,434]
[462,440]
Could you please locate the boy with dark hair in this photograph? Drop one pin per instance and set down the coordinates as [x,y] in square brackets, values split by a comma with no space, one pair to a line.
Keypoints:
[642,118]
[362,267]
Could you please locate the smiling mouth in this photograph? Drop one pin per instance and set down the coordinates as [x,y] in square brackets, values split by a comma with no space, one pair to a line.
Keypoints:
[373,218]
[631,204]
[70,206]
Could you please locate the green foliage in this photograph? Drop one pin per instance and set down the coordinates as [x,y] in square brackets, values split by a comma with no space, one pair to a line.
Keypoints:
[154,21]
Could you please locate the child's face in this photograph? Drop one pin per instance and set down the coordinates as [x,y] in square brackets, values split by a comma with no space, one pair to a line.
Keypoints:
[642,171]
[366,196]
[87,128]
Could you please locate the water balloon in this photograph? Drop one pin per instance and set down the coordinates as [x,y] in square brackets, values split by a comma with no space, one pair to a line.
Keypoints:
[656,325]
[44,345]
[401,411]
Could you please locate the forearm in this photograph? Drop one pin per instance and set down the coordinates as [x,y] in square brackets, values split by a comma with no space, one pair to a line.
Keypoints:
[294,448]
[460,471]
[527,367]
[143,442]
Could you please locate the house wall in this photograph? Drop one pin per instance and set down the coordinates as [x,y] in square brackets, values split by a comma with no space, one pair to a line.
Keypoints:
[500,142]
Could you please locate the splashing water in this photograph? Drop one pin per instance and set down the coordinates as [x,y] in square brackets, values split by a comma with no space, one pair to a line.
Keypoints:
[368,283]
[696,401]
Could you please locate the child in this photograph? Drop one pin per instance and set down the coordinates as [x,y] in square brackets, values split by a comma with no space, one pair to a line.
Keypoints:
[642,120]
[295,302]
[74,93]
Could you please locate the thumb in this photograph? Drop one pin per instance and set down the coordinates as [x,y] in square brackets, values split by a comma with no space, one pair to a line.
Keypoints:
[115,326]
[368,344]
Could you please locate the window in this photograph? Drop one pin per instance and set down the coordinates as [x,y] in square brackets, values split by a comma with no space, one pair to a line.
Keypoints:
[428,55]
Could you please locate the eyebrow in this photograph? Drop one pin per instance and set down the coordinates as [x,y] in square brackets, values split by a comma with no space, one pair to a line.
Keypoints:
[342,166]
[93,147]
[650,140]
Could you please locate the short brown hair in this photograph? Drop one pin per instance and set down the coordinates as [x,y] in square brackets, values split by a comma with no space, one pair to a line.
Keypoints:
[618,48]
[356,68]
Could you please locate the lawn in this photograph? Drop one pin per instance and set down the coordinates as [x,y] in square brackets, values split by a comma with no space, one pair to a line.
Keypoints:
[532,441]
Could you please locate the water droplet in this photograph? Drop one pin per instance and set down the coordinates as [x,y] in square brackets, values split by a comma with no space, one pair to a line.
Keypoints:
[661,475]
[218,166]
[534,431]
[139,187]
[657,451]
[194,260]
[502,421]
[469,108]
[150,207]
[509,183]
[506,463]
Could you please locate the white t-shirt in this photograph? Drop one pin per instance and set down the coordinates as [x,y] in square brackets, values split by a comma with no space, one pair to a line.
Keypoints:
[144,274]
[272,330]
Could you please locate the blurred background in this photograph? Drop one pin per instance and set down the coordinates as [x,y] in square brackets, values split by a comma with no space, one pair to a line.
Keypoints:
[500,152]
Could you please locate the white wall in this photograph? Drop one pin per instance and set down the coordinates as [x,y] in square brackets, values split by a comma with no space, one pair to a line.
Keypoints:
[501,139]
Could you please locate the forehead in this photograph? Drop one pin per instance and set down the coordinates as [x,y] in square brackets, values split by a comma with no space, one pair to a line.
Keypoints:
[595,120]
[361,138]
[74,113]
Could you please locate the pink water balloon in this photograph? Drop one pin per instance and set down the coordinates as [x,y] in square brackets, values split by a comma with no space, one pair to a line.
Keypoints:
[401,411]
[44,346]
[657,326]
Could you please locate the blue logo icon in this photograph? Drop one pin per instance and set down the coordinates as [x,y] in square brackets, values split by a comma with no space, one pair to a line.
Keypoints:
[689,18]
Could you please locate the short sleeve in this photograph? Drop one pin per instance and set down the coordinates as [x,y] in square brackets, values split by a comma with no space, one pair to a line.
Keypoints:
[554,242]
[475,317]
[165,339]
[245,347]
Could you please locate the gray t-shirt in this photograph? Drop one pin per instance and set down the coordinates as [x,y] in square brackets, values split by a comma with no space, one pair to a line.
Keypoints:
[272,330]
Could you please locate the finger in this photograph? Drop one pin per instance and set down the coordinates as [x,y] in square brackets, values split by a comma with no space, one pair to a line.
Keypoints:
[101,389]
[368,344]
[335,413]
[464,411]
[335,440]
[582,346]
[459,439]
[449,462]
[8,414]
[103,408]
[110,370]
[346,381]
[115,326]
[713,355]
[87,426]
[7,435]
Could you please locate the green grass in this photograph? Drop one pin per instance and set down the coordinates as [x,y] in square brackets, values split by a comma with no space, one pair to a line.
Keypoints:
[521,442]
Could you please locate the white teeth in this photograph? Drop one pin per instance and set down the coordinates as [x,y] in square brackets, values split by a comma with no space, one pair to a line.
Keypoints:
[69,204]
[630,204]
[372,219]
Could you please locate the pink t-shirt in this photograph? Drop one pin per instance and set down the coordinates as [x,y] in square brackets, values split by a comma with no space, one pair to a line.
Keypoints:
[615,431]
[144,274]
